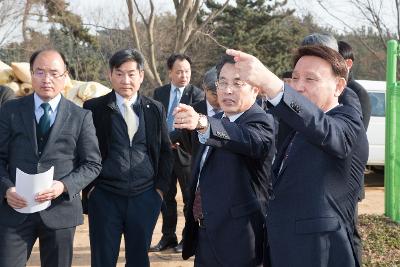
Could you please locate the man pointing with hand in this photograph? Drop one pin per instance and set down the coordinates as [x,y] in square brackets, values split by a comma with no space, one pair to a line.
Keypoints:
[311,209]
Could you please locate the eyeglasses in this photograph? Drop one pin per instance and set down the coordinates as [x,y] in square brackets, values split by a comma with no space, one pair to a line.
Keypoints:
[223,85]
[41,74]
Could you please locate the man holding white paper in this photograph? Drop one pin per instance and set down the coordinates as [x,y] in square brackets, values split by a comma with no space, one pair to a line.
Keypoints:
[29,185]
[38,132]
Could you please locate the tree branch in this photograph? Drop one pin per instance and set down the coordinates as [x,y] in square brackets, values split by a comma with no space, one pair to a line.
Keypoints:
[355,33]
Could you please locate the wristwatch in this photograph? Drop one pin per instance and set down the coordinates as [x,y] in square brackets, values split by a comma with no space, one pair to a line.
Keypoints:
[202,123]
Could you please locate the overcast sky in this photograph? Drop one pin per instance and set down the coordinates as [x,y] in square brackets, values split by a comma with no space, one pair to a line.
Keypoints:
[96,10]
[113,13]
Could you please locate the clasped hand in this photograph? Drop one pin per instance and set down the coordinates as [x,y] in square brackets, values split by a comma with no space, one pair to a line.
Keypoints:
[17,202]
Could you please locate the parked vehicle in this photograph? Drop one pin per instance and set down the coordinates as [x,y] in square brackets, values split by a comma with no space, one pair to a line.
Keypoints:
[376,128]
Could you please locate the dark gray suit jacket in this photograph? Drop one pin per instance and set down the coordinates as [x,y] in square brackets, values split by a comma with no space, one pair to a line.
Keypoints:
[6,94]
[71,148]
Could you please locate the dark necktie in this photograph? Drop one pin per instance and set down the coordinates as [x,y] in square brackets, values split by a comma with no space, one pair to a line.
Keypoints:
[287,151]
[44,122]
[197,207]
[225,119]
[216,110]
[170,117]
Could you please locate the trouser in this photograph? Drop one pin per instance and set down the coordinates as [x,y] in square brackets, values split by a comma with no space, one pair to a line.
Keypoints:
[55,245]
[111,215]
[182,174]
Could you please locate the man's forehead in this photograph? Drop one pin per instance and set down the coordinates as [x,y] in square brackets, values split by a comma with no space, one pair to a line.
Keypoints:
[181,64]
[49,58]
[312,64]
[229,71]
[128,66]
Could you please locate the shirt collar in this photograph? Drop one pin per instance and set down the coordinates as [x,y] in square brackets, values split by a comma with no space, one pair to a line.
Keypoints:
[232,118]
[53,102]
[121,100]
[180,88]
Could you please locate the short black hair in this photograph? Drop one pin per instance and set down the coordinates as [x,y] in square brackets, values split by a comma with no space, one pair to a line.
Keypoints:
[337,62]
[225,59]
[36,53]
[177,56]
[346,50]
[125,55]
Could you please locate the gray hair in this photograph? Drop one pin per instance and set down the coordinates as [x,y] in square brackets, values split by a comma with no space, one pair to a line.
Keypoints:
[210,78]
[321,39]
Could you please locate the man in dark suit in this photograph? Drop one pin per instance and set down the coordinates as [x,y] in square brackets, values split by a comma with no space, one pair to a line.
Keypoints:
[311,210]
[347,52]
[178,91]
[137,162]
[37,132]
[231,175]
[6,94]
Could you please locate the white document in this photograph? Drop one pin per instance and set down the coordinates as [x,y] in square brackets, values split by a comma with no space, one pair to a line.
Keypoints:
[29,185]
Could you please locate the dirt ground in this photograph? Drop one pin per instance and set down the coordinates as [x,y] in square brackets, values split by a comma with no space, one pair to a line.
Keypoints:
[372,204]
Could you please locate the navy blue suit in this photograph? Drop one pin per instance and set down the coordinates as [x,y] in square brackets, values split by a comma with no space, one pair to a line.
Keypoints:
[315,190]
[234,184]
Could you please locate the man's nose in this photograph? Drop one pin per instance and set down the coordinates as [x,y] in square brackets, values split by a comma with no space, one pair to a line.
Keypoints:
[125,79]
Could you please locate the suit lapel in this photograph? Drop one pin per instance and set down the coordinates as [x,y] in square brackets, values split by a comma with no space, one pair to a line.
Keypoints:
[280,162]
[149,118]
[164,96]
[28,117]
[185,99]
[62,116]
[200,168]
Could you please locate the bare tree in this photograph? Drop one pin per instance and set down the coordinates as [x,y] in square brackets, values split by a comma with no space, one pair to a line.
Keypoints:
[150,64]
[186,21]
[372,12]
[10,15]
[187,27]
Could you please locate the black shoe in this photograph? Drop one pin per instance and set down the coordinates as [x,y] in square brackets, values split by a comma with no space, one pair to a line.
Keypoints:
[178,248]
[164,244]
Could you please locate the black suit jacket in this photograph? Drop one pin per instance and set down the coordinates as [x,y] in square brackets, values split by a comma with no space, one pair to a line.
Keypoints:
[234,185]
[71,148]
[191,95]
[158,143]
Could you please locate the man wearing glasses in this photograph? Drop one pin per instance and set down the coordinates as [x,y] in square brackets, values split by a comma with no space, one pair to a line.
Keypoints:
[37,132]
[225,218]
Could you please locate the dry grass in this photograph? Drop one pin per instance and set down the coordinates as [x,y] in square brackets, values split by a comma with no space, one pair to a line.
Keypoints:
[381,241]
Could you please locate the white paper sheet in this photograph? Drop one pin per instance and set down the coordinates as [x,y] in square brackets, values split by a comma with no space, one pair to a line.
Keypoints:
[28,185]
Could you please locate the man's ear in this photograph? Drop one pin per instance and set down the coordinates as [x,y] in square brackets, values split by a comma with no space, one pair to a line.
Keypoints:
[349,63]
[109,74]
[340,85]
[256,90]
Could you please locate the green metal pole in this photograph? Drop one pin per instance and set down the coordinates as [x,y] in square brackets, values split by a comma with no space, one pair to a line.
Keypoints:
[392,143]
